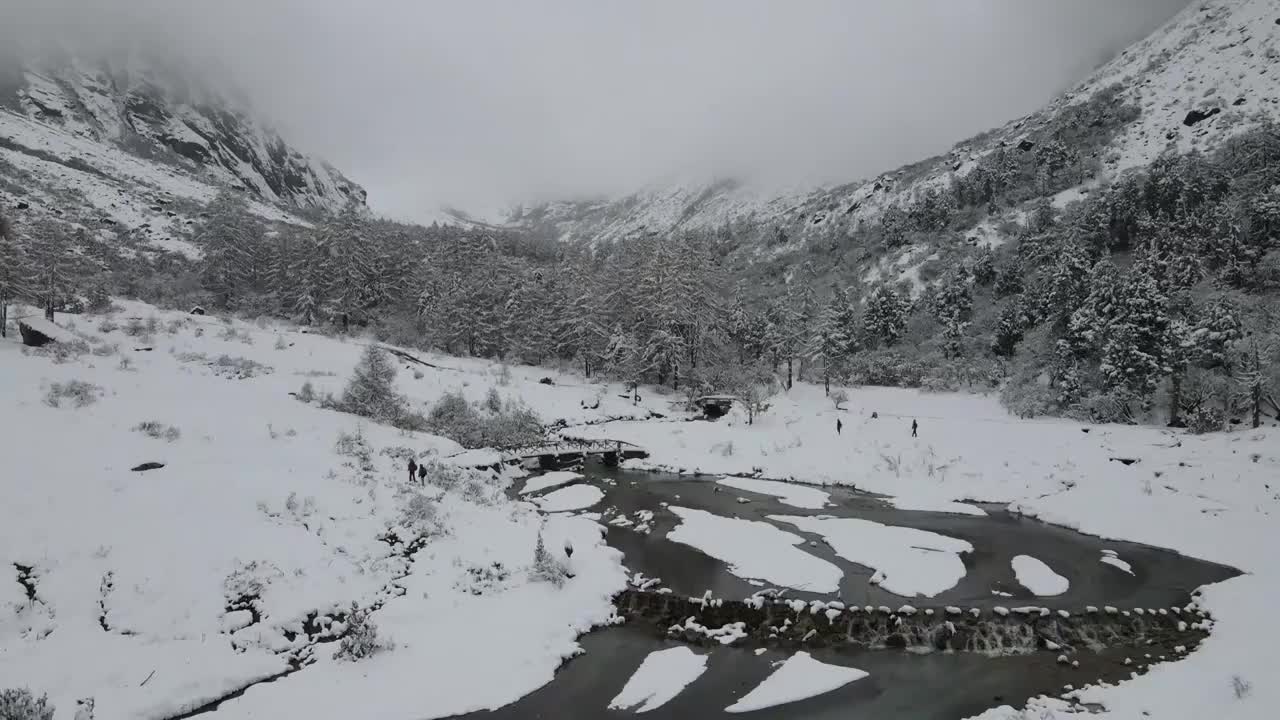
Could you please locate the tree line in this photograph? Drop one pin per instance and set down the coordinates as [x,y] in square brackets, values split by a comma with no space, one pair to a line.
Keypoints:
[1154,298]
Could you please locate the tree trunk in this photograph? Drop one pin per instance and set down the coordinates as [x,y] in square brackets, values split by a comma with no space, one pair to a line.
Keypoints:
[4,317]
[1175,400]
[1256,396]
[790,377]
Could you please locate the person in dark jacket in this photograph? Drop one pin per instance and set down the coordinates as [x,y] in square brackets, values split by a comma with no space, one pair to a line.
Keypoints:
[914,427]
[413,470]
[422,474]
[839,426]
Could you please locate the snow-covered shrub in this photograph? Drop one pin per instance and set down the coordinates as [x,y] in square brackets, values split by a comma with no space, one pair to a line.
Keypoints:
[230,333]
[1104,407]
[307,393]
[136,327]
[280,343]
[238,368]
[1240,687]
[107,326]
[158,430]
[547,567]
[445,476]
[482,579]
[105,349]
[78,392]
[421,514]
[504,374]
[493,401]
[20,704]
[1205,419]
[361,639]
[455,418]
[838,398]
[249,580]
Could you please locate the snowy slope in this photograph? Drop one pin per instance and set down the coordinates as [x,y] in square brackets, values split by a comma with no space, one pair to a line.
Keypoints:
[142,103]
[155,592]
[1219,56]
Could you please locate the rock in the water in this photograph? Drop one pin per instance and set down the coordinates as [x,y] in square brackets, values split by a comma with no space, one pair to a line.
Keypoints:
[197,310]
[33,337]
[547,381]
[148,466]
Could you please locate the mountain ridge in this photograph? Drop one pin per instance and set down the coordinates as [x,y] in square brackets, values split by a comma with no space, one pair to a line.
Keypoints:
[1209,73]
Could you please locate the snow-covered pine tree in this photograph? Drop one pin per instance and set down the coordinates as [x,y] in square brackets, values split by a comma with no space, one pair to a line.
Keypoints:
[371,391]
[885,319]
[833,338]
[226,238]
[14,273]
[53,269]
[1256,372]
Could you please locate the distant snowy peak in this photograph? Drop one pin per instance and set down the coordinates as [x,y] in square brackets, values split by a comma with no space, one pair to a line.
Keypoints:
[165,116]
[1208,74]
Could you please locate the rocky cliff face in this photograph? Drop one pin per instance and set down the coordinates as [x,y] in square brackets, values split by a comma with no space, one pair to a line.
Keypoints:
[161,115]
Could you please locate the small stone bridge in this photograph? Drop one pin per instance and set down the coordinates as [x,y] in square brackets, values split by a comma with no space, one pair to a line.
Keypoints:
[763,620]
[568,452]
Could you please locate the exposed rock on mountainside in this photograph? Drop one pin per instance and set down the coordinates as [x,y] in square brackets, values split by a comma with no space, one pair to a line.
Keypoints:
[161,116]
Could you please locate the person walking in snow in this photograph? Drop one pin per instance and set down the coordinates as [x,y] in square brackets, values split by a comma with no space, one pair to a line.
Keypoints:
[422,473]
[914,427]
[413,470]
[839,426]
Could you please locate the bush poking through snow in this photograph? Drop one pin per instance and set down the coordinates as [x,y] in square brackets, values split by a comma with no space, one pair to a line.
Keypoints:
[78,392]
[361,639]
[547,567]
[421,514]
[20,704]
[458,420]
[493,401]
[158,430]
[1241,687]
[307,393]
[838,398]
[238,368]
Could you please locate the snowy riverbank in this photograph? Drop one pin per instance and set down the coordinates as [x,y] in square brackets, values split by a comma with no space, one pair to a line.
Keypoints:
[107,575]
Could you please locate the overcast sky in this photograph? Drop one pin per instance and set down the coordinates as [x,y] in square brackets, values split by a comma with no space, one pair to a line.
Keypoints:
[486,103]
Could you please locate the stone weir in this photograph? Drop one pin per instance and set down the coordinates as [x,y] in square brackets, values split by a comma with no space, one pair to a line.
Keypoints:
[765,620]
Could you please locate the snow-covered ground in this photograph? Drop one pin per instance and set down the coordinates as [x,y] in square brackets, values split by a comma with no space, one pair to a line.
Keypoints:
[800,496]
[797,678]
[907,561]
[755,549]
[660,677]
[1034,575]
[157,591]
[1214,497]
[140,571]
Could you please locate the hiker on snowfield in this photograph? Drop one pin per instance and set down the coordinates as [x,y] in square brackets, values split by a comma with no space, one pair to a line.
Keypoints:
[839,426]
[413,469]
[914,427]
[422,474]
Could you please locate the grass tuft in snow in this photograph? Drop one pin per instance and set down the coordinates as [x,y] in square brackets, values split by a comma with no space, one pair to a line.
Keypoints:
[158,430]
[78,392]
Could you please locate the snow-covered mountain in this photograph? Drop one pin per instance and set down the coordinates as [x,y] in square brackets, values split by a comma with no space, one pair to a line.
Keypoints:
[144,107]
[1208,74]
[139,146]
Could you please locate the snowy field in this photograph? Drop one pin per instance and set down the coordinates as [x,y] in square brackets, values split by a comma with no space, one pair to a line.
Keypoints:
[157,591]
